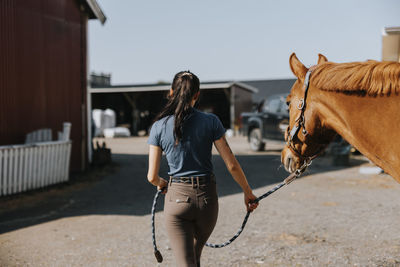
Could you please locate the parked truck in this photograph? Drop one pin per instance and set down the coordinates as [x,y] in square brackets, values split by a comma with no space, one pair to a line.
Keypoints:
[268,122]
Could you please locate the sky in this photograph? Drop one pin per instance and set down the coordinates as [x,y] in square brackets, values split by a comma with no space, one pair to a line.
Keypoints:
[150,41]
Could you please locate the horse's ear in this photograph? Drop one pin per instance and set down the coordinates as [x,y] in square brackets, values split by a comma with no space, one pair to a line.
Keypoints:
[321,59]
[298,69]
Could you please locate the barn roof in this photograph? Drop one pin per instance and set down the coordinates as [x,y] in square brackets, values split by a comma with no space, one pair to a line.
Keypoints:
[94,10]
[261,89]
[166,86]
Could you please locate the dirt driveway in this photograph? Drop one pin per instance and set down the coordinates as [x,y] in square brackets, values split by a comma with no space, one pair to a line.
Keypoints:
[332,216]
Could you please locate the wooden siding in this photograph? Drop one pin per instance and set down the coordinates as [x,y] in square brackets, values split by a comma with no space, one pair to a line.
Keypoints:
[43,71]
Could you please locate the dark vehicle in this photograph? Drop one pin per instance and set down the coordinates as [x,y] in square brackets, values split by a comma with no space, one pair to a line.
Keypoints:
[268,121]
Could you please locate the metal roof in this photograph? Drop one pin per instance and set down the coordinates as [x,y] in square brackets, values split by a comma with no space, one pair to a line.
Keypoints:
[95,11]
[261,89]
[164,87]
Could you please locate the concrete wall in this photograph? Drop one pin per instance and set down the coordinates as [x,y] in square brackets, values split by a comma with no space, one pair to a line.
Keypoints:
[391,47]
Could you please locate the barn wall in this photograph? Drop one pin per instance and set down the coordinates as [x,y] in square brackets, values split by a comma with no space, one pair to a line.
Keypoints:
[43,71]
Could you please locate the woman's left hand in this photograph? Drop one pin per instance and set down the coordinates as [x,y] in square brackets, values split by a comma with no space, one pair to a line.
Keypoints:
[248,200]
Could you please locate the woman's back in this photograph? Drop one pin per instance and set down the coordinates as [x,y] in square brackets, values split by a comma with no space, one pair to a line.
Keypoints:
[191,156]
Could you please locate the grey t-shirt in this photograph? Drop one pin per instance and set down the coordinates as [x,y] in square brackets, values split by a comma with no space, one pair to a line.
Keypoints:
[192,155]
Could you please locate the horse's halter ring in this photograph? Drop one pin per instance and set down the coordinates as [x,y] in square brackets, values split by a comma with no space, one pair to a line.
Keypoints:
[300,124]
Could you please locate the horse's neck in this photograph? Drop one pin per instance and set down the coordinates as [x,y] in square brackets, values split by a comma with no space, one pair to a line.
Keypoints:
[371,124]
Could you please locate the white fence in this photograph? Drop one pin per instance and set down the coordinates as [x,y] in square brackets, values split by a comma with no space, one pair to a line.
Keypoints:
[34,165]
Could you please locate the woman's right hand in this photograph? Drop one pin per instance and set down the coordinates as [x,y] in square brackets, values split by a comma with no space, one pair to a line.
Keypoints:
[248,201]
[162,185]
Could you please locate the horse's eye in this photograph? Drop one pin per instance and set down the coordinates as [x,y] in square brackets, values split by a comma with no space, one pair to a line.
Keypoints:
[287,103]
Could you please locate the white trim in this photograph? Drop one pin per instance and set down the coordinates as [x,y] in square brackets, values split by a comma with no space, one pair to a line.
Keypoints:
[129,89]
[88,103]
[391,30]
[94,6]
[247,86]
[37,144]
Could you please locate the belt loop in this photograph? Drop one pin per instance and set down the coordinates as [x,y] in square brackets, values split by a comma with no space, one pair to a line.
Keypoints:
[170,181]
[192,182]
[197,181]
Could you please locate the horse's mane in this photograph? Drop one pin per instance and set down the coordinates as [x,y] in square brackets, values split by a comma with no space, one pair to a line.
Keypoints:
[371,78]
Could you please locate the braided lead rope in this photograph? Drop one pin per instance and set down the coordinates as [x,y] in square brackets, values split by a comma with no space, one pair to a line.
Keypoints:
[234,237]
[157,253]
[245,219]
[287,181]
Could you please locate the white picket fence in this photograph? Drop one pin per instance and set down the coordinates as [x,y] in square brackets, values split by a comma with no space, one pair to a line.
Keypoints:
[32,166]
[37,163]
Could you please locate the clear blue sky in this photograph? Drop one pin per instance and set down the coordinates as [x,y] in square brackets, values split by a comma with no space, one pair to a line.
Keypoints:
[148,41]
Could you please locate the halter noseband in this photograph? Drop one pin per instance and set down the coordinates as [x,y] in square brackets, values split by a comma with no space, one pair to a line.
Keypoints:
[300,123]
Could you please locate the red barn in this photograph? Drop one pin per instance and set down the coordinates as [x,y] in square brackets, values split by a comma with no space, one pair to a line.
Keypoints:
[43,69]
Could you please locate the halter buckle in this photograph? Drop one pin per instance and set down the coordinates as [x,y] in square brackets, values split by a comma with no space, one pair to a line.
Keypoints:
[299,171]
[304,131]
[300,106]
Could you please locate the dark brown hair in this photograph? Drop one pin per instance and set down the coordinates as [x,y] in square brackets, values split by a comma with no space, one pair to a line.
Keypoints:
[184,87]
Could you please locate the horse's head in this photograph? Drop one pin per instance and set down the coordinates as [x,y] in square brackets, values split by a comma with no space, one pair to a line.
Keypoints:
[305,136]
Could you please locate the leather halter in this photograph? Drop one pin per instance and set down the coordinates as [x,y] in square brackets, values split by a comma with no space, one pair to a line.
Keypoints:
[300,124]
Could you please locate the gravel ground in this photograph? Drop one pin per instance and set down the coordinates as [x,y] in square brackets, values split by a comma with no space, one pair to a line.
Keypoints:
[330,217]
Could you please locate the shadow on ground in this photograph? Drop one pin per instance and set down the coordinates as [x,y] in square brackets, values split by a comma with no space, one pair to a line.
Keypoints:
[127,192]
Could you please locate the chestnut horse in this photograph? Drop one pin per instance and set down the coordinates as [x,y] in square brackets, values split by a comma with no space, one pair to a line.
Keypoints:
[358,100]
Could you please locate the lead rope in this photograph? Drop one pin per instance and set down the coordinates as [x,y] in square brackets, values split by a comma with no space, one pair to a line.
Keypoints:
[157,253]
[287,181]
[245,219]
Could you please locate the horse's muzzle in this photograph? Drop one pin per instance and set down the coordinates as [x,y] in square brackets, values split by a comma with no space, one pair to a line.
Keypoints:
[290,161]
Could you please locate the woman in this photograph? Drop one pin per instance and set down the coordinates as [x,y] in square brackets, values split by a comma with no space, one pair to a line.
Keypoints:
[186,136]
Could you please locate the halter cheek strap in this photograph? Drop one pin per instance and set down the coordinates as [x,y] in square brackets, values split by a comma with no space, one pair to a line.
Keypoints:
[300,123]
